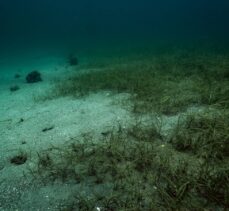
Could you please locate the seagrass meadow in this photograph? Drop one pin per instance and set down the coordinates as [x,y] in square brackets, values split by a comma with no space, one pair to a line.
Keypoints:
[114,105]
[146,166]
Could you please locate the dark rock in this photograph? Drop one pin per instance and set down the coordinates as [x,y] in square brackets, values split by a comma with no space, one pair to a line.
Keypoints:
[47,129]
[72,60]
[106,133]
[14,88]
[33,77]
[19,159]
[17,75]
[21,120]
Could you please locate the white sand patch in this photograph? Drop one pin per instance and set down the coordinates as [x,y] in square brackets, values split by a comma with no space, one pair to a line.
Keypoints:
[23,120]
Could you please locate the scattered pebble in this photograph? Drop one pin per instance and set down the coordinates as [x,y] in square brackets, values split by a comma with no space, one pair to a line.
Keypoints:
[18,159]
[17,75]
[47,129]
[14,88]
[21,120]
[106,133]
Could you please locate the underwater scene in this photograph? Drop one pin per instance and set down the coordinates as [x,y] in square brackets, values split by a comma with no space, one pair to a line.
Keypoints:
[114,105]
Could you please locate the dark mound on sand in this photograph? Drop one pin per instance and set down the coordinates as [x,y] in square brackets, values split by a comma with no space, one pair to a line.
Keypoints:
[33,77]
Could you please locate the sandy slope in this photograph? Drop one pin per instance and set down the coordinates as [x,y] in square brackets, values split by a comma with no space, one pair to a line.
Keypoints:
[22,119]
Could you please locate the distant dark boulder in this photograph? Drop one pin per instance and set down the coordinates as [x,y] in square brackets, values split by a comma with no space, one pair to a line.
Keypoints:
[14,88]
[72,60]
[17,75]
[33,77]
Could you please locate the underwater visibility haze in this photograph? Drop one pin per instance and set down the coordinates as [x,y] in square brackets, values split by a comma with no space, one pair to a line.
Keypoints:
[31,23]
[114,105]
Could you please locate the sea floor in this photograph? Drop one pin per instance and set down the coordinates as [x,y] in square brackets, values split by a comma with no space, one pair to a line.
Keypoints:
[24,119]
[31,125]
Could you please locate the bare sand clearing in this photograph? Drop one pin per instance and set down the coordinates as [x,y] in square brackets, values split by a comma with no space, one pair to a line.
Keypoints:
[28,125]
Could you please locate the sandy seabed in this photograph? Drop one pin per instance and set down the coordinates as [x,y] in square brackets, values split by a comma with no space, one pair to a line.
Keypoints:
[31,125]
[23,123]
